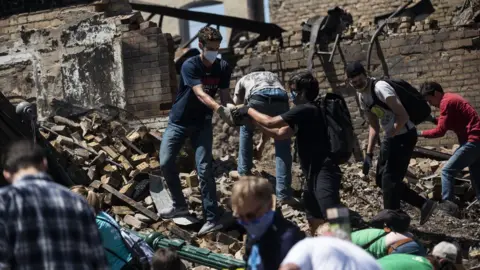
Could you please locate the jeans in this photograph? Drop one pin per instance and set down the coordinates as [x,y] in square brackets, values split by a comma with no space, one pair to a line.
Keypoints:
[283,156]
[322,190]
[413,248]
[201,137]
[392,165]
[467,155]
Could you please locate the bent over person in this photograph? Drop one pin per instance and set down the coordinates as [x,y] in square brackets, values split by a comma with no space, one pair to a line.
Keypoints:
[263,91]
[42,224]
[397,146]
[191,116]
[458,115]
[306,121]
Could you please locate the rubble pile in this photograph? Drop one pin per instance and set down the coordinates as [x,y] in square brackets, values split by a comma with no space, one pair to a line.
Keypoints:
[118,162]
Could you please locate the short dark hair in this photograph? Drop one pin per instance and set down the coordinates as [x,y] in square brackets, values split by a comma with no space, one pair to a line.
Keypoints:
[305,82]
[208,33]
[429,88]
[23,154]
[354,69]
[257,69]
[166,259]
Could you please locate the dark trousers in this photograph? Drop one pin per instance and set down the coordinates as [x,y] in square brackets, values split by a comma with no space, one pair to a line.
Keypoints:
[395,154]
[322,190]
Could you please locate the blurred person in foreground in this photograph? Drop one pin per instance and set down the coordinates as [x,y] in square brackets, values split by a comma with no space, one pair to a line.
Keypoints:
[269,235]
[118,255]
[167,259]
[328,253]
[42,224]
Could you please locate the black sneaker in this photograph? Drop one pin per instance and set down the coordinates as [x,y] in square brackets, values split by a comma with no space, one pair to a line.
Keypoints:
[427,210]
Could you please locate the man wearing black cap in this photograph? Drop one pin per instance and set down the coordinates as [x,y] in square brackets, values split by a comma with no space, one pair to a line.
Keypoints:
[398,143]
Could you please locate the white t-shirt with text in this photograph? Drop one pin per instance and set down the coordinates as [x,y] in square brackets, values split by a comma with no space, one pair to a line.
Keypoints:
[383,90]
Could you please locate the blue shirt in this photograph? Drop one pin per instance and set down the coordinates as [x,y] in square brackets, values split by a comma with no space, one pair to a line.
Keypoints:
[187,109]
[112,241]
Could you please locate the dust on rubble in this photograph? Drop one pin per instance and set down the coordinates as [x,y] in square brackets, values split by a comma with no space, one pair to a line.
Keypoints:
[116,161]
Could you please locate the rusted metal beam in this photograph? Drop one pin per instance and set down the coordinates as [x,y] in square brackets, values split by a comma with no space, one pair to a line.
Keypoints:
[266,29]
[432,154]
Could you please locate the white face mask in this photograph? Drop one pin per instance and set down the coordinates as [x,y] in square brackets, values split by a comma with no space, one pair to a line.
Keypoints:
[210,56]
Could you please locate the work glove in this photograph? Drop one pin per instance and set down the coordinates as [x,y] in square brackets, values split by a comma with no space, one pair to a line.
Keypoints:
[367,163]
[226,115]
[240,115]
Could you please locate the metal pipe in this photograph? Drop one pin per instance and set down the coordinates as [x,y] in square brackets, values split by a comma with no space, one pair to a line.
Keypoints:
[380,28]
[191,253]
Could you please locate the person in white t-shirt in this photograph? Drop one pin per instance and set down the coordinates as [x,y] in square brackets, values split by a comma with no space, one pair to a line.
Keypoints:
[328,253]
[397,145]
[263,91]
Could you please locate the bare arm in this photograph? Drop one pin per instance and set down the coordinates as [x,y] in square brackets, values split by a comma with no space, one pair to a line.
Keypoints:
[205,98]
[401,115]
[265,120]
[277,133]
[225,97]
[374,128]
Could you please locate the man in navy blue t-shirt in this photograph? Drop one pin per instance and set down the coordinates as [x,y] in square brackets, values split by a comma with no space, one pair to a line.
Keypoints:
[191,116]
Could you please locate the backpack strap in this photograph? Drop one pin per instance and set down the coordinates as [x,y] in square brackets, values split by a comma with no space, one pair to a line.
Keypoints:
[376,100]
[367,245]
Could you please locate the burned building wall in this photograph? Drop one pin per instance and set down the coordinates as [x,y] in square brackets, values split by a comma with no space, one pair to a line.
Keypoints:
[432,49]
[71,54]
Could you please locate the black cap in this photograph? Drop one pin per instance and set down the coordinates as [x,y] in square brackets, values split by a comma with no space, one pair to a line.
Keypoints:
[354,69]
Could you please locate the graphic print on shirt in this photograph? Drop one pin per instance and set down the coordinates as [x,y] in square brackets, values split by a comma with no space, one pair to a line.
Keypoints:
[210,85]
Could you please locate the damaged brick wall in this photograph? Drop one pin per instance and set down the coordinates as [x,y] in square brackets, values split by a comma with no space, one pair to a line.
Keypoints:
[149,71]
[415,51]
[73,54]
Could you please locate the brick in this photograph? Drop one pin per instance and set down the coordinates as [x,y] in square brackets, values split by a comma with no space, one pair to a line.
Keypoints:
[36,17]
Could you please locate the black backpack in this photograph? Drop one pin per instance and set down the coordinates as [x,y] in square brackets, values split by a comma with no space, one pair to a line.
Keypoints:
[414,103]
[339,126]
[395,220]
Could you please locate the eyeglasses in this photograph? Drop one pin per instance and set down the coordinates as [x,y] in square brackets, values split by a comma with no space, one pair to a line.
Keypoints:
[249,216]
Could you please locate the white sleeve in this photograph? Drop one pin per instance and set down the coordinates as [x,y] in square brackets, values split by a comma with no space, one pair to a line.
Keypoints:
[384,90]
[300,254]
[239,94]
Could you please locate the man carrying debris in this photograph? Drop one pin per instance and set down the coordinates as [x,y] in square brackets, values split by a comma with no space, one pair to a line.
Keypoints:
[379,101]
[458,115]
[269,235]
[191,116]
[42,224]
[263,91]
[322,190]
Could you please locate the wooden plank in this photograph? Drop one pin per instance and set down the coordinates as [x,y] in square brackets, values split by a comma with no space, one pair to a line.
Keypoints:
[94,145]
[125,163]
[122,210]
[89,137]
[138,206]
[114,155]
[128,189]
[132,146]
[154,164]
[59,128]
[63,120]
[96,184]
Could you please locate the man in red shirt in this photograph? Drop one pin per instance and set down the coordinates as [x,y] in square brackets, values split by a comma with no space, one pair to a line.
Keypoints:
[459,116]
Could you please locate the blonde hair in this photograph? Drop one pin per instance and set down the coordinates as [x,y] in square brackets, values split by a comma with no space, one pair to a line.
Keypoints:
[92,197]
[250,187]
